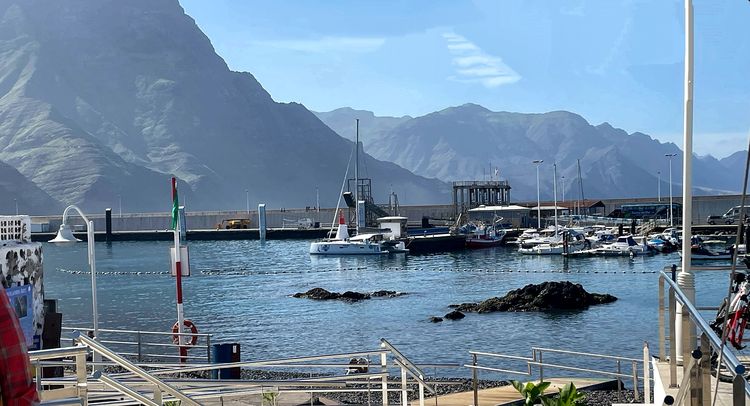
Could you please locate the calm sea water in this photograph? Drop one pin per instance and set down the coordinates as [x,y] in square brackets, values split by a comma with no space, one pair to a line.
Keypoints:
[246,298]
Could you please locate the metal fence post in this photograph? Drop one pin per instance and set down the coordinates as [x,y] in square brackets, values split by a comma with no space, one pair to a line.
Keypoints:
[619,383]
[662,339]
[384,379]
[474,379]
[139,344]
[646,373]
[541,367]
[706,369]
[421,392]
[672,339]
[404,389]
[81,383]
[738,391]
[208,348]
[636,396]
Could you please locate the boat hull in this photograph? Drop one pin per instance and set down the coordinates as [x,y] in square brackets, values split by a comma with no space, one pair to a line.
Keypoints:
[345,248]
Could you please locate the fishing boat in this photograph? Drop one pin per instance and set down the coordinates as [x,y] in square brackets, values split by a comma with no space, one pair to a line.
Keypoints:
[481,235]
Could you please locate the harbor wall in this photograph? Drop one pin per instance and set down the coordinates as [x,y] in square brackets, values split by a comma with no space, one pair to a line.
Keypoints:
[440,215]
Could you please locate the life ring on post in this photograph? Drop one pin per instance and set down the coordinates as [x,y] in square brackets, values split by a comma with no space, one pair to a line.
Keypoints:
[191,339]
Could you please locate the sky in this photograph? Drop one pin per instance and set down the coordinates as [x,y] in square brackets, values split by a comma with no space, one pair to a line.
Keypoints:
[615,61]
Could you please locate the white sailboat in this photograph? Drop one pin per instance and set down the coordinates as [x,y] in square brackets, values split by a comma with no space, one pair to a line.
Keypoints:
[361,244]
[342,244]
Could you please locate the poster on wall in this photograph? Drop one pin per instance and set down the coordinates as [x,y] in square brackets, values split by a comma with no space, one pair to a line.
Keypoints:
[21,299]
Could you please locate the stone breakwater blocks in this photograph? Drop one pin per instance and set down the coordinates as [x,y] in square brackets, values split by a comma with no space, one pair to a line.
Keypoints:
[20,265]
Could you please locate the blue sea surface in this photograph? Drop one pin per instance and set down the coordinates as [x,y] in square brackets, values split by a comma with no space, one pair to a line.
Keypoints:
[241,292]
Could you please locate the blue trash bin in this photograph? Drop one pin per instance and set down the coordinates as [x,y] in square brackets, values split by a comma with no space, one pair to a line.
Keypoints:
[222,354]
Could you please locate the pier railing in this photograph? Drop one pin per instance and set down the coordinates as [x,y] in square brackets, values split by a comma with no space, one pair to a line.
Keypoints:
[622,367]
[155,346]
[157,383]
[698,350]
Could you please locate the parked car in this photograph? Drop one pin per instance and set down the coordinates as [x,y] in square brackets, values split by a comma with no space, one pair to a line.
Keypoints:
[729,217]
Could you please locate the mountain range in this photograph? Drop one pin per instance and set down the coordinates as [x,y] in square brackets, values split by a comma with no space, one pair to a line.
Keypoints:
[470,142]
[102,99]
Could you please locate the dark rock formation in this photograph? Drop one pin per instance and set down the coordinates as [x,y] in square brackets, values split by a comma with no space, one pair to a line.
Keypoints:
[542,297]
[349,296]
[454,315]
[318,294]
[435,319]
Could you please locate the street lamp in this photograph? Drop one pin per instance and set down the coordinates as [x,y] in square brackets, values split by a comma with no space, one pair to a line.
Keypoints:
[65,235]
[538,202]
[658,184]
[247,201]
[671,218]
[16,201]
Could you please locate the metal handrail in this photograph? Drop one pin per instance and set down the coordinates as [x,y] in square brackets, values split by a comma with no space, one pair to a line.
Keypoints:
[715,341]
[166,333]
[709,337]
[96,346]
[587,354]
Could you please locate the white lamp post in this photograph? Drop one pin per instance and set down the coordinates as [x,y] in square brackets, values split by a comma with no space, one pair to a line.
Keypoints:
[671,218]
[538,201]
[247,201]
[658,185]
[65,235]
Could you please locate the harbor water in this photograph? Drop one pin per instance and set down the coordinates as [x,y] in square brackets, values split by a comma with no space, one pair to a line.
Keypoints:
[241,292]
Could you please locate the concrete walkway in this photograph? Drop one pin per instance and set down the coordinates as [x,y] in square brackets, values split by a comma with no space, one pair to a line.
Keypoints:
[504,394]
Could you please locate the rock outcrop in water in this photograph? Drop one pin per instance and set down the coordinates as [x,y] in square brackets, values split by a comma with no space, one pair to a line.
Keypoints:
[348,296]
[547,296]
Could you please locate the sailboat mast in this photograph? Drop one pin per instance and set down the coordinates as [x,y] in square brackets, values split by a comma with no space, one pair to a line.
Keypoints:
[580,187]
[554,191]
[356,180]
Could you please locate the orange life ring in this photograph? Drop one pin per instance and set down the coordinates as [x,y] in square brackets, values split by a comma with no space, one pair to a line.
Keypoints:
[190,326]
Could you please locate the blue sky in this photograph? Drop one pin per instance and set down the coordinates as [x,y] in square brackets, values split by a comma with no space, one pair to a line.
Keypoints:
[618,61]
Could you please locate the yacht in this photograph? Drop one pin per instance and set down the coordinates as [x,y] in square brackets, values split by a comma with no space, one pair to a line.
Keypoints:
[342,244]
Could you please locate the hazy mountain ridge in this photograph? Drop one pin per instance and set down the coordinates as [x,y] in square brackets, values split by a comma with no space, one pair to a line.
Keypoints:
[111,98]
[460,143]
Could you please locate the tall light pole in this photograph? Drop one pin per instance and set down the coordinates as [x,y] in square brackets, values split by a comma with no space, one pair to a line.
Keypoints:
[247,201]
[538,201]
[658,185]
[119,197]
[671,218]
[16,202]
[65,235]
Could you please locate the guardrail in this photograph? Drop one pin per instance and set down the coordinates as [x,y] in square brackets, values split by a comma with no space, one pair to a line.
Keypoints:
[157,382]
[537,360]
[77,390]
[147,345]
[697,352]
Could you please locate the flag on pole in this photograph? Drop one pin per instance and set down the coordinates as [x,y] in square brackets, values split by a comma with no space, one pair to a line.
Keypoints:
[175,204]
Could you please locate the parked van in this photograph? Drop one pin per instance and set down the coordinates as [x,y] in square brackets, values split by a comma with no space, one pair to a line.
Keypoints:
[730,216]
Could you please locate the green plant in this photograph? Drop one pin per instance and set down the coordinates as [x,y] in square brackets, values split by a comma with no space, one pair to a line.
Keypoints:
[269,398]
[531,392]
[568,395]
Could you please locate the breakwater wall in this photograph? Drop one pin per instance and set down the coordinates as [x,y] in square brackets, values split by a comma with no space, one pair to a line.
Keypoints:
[703,206]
